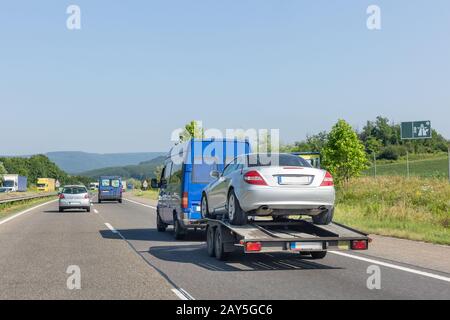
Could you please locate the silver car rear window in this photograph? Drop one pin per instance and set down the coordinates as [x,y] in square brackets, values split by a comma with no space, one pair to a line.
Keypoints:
[74,190]
[284,160]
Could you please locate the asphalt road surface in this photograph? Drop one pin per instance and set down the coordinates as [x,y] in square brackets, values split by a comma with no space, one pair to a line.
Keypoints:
[121,256]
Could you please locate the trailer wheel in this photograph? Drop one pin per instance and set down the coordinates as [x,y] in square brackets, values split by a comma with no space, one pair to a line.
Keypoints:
[210,241]
[236,215]
[324,218]
[218,245]
[318,255]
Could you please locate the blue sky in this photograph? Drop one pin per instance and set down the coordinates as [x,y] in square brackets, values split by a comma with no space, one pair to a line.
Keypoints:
[139,69]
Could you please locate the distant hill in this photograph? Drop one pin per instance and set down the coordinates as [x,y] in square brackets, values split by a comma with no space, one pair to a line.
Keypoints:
[75,162]
[144,170]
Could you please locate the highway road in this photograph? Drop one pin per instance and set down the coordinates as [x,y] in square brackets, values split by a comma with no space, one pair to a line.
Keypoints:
[122,256]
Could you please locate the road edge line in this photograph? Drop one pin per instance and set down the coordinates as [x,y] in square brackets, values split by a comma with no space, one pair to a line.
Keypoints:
[393,266]
[5,220]
[135,202]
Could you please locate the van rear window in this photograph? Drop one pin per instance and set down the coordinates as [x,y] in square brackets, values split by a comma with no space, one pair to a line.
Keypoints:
[115,183]
[201,173]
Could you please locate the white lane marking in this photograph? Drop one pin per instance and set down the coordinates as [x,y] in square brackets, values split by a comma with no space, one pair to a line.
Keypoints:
[135,202]
[393,266]
[179,295]
[186,294]
[95,210]
[182,294]
[26,211]
[110,227]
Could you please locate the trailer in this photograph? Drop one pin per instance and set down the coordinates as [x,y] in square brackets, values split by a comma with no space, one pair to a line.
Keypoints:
[290,235]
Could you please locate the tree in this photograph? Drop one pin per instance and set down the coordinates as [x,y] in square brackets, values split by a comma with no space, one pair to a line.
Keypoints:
[192,130]
[373,145]
[343,154]
[2,172]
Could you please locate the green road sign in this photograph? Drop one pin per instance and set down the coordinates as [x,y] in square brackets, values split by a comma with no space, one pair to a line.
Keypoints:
[416,130]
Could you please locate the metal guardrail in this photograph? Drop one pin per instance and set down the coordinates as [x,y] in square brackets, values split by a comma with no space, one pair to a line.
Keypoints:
[30,197]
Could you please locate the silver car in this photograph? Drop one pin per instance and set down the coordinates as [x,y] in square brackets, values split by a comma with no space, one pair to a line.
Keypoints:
[280,186]
[74,197]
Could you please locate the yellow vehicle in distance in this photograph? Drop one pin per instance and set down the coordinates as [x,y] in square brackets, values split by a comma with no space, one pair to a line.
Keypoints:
[312,157]
[46,185]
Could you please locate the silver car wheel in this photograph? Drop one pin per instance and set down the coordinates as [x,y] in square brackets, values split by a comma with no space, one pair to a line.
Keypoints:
[231,207]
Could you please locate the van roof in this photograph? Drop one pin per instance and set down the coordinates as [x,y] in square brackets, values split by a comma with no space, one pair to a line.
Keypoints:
[185,145]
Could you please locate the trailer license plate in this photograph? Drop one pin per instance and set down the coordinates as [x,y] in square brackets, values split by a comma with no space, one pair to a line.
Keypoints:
[307,246]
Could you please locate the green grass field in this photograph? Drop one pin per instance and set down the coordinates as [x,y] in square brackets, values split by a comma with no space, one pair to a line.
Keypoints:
[148,194]
[434,166]
[415,208]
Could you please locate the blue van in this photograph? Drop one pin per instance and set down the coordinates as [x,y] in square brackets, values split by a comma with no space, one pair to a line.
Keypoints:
[185,174]
[110,188]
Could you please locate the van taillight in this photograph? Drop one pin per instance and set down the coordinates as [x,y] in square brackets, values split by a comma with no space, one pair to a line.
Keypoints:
[185,201]
[253,177]
[61,196]
[328,180]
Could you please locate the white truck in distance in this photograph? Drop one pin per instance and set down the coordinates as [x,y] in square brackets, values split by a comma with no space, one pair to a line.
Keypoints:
[14,183]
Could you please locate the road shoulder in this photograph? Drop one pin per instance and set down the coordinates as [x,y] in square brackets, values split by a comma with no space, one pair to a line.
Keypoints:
[415,253]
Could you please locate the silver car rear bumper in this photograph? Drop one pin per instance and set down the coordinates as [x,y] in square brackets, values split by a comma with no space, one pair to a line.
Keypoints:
[286,199]
[74,203]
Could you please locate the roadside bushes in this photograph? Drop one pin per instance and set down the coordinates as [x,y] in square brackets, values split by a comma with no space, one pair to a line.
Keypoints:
[415,208]
[392,152]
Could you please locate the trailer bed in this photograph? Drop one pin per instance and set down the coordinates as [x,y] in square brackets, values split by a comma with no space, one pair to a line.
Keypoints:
[290,235]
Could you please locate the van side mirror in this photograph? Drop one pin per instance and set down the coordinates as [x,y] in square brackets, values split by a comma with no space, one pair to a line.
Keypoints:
[215,174]
[154,184]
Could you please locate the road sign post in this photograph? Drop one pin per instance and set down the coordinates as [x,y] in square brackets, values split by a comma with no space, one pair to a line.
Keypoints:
[407,164]
[375,163]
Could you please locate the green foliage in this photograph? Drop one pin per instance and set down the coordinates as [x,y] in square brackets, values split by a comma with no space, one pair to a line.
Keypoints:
[192,130]
[313,143]
[2,171]
[383,138]
[373,145]
[39,166]
[136,183]
[343,154]
[392,152]
[143,171]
